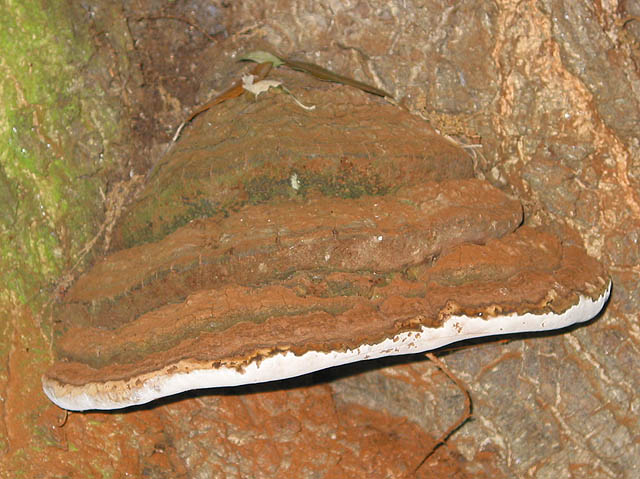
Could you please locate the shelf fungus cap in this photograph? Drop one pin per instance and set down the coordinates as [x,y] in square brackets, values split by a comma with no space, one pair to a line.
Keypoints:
[343,281]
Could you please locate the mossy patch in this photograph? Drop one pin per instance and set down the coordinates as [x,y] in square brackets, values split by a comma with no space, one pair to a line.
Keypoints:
[50,196]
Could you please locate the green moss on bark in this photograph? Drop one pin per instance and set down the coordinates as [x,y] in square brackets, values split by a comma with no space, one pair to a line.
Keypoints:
[48,188]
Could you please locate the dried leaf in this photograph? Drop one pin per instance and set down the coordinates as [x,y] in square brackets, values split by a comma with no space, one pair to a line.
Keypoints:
[259,87]
[327,75]
[313,70]
[260,71]
[264,85]
[260,56]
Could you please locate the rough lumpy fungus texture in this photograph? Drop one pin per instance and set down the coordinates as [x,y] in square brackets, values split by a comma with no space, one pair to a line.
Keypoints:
[269,228]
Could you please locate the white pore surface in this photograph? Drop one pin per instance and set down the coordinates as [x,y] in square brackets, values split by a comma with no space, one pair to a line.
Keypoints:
[286,365]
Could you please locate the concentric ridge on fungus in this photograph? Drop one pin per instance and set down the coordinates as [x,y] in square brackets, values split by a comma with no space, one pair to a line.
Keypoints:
[277,282]
[310,319]
[188,374]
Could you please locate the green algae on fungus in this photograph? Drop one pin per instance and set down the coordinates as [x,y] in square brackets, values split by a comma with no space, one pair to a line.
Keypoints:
[224,160]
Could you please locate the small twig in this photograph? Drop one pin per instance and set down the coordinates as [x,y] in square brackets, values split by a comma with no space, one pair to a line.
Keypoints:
[179,19]
[629,18]
[463,417]
[259,72]
[64,419]
[298,102]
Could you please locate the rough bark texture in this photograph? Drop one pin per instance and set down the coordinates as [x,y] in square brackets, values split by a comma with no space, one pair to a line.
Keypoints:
[550,89]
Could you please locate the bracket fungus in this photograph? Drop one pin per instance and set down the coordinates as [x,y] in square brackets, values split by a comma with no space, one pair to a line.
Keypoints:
[311,277]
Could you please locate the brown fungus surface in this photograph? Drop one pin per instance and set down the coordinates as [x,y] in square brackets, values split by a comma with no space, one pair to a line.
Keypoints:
[305,247]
